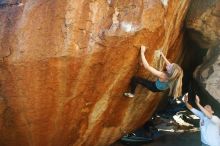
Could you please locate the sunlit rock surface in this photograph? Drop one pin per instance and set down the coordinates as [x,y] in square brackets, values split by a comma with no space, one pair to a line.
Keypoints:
[203,22]
[64,65]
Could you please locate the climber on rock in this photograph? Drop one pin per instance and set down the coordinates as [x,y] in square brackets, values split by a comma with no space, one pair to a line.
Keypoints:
[170,79]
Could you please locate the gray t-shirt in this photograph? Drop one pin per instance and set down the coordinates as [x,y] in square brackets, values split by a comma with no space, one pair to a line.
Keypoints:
[210,128]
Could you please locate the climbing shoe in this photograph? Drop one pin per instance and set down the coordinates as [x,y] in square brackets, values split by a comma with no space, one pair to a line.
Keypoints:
[129,95]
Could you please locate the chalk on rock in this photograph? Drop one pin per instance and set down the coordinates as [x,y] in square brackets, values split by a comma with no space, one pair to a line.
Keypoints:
[109,2]
[157,53]
[165,2]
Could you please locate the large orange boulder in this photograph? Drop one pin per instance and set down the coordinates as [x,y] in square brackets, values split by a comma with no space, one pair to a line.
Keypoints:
[64,65]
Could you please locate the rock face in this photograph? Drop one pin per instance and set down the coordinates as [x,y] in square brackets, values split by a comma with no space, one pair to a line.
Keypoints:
[64,65]
[203,22]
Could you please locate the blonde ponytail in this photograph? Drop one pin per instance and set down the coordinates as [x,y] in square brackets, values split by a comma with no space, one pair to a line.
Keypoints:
[175,81]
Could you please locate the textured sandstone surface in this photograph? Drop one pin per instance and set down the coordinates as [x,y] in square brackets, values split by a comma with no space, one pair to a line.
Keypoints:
[64,65]
[203,22]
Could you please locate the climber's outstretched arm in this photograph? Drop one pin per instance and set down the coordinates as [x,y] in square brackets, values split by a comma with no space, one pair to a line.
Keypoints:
[148,67]
[165,59]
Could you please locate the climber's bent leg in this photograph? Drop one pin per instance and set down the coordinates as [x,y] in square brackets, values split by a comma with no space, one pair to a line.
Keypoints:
[144,82]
